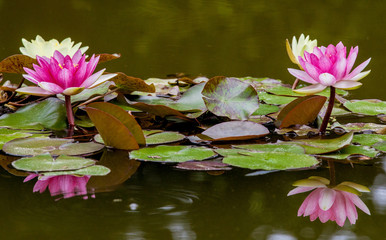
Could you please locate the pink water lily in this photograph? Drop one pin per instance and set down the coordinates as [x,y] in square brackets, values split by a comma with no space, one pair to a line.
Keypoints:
[66,185]
[329,66]
[326,203]
[64,75]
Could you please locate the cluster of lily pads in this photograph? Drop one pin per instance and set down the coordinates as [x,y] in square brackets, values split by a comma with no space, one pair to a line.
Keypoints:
[198,123]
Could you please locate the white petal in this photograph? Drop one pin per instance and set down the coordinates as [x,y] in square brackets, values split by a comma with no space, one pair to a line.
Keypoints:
[310,89]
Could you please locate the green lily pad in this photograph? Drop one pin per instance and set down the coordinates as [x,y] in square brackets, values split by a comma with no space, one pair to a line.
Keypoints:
[366,107]
[352,150]
[275,99]
[265,109]
[172,153]
[368,139]
[4,138]
[319,146]
[50,114]
[230,97]
[235,130]
[380,146]
[271,160]
[361,127]
[45,163]
[53,146]
[272,148]
[95,170]
[163,137]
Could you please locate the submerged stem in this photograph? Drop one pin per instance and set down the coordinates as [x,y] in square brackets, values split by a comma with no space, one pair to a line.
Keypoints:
[70,114]
[322,129]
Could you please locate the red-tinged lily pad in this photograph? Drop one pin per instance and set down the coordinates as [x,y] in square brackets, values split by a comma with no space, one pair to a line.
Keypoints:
[302,130]
[105,57]
[45,163]
[163,153]
[124,117]
[127,84]
[15,63]
[230,97]
[320,146]
[301,111]
[114,132]
[235,130]
[204,166]
[53,146]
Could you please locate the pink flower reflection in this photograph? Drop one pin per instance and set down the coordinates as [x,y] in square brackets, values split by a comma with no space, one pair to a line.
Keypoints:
[335,204]
[66,185]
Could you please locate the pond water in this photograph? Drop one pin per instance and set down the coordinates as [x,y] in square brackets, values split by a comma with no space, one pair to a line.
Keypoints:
[196,37]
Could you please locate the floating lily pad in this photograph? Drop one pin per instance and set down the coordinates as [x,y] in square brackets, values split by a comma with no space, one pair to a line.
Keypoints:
[49,113]
[235,130]
[105,57]
[368,139]
[301,111]
[4,138]
[265,109]
[45,163]
[95,170]
[352,150]
[303,130]
[271,160]
[172,153]
[164,137]
[127,84]
[380,146]
[361,127]
[15,63]
[272,148]
[319,146]
[53,146]
[366,107]
[230,97]
[204,166]
[275,99]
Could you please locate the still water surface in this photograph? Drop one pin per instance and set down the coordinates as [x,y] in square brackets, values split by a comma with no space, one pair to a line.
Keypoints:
[219,37]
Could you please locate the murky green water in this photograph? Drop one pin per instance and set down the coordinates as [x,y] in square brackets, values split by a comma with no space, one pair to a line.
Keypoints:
[232,38]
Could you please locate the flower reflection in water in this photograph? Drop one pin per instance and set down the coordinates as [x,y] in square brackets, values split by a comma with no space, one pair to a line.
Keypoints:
[335,203]
[66,185]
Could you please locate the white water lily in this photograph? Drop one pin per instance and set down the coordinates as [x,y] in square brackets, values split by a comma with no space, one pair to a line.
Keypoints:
[42,48]
[304,44]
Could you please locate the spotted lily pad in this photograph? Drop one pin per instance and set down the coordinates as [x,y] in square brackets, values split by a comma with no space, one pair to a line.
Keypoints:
[319,146]
[352,150]
[49,113]
[15,63]
[366,107]
[204,166]
[127,84]
[95,170]
[230,97]
[45,163]
[368,139]
[172,153]
[235,130]
[361,127]
[4,138]
[272,148]
[271,160]
[163,137]
[53,146]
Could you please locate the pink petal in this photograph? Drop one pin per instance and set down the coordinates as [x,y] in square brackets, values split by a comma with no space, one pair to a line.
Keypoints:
[312,70]
[357,201]
[51,87]
[352,56]
[360,75]
[65,78]
[339,68]
[357,70]
[325,64]
[59,57]
[339,209]
[90,80]
[310,89]
[102,79]
[347,85]
[91,65]
[300,190]
[327,198]
[30,78]
[77,56]
[312,205]
[302,75]
[29,177]
[324,216]
[35,91]
[351,211]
